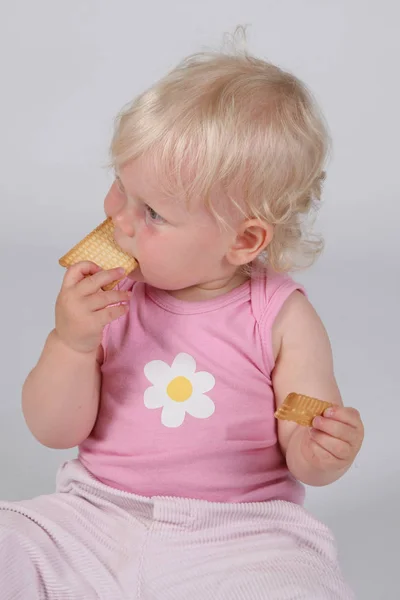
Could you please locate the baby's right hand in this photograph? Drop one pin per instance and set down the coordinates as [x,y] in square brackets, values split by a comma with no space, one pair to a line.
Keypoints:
[83,308]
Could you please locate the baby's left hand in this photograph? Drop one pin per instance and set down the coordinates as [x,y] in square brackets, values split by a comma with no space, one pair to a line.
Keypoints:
[335,439]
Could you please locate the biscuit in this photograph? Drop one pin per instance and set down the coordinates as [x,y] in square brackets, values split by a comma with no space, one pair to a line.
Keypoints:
[100,247]
[301,409]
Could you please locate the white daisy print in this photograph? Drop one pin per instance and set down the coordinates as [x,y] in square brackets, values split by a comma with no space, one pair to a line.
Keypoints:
[178,390]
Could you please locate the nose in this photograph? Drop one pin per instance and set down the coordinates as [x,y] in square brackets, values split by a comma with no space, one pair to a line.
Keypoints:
[122,215]
[124,222]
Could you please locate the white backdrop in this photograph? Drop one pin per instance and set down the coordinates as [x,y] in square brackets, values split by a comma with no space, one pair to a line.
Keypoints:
[67,68]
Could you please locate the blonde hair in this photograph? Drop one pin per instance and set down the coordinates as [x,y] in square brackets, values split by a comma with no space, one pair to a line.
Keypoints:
[236,121]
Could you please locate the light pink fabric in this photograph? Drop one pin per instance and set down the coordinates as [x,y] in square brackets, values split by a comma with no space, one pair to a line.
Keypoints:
[89,541]
[187,405]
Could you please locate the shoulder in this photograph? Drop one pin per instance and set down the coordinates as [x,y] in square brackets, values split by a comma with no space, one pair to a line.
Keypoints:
[269,292]
[298,325]
[297,316]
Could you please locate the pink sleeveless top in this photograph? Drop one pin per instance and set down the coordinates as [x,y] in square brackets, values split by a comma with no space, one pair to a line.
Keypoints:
[187,405]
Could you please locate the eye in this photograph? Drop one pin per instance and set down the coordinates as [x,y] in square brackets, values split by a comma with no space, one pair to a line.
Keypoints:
[152,216]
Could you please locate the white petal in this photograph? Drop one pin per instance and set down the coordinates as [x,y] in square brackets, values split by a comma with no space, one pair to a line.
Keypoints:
[184,365]
[172,415]
[201,407]
[158,373]
[154,398]
[203,382]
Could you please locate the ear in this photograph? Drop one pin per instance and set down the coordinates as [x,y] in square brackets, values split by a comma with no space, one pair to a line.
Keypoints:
[252,238]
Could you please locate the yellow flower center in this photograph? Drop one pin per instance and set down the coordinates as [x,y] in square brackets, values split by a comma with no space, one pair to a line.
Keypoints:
[180,389]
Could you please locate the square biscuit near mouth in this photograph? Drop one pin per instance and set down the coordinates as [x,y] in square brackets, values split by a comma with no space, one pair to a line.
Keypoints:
[99,247]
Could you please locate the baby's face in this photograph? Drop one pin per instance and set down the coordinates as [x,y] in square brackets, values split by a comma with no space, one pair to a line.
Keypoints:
[177,246]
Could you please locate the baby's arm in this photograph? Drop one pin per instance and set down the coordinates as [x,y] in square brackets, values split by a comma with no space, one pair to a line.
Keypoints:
[60,397]
[304,365]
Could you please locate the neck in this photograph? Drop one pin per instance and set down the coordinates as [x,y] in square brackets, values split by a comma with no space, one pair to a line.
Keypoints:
[209,290]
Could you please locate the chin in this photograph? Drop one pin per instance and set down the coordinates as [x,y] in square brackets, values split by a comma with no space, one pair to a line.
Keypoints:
[157,281]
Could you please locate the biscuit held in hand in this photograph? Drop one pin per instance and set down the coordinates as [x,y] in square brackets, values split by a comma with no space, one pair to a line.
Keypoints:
[301,409]
[100,248]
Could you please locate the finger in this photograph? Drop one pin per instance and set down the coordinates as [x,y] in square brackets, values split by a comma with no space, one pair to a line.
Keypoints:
[336,429]
[344,414]
[111,313]
[79,271]
[323,455]
[91,285]
[337,448]
[100,301]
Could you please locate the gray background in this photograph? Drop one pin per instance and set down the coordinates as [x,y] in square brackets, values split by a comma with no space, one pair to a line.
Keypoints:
[67,67]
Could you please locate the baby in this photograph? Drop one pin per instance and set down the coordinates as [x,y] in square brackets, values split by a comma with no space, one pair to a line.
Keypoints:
[185,485]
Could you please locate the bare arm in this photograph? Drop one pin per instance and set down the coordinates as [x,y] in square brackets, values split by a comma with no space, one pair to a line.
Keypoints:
[304,364]
[60,396]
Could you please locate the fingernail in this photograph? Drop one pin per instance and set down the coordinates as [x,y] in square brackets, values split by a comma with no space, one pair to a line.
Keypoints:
[328,413]
[317,421]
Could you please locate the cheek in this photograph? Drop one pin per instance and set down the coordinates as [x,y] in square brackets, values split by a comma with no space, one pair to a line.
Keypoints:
[147,242]
[156,249]
[208,242]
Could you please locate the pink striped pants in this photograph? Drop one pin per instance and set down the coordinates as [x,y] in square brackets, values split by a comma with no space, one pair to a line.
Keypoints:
[88,541]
